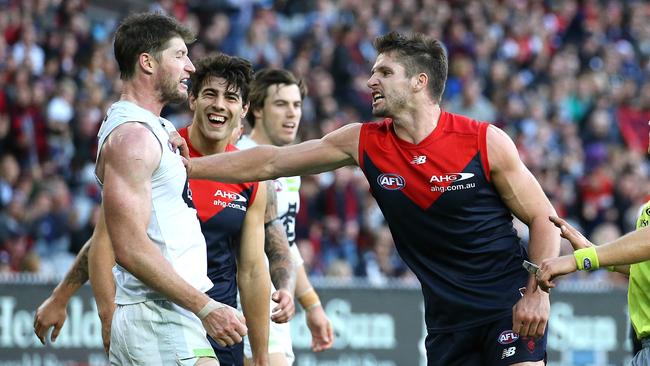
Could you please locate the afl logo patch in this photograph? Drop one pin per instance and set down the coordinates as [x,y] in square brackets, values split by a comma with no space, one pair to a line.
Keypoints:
[508,337]
[392,182]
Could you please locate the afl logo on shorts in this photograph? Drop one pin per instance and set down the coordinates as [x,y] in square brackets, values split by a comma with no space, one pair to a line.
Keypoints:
[392,182]
[508,337]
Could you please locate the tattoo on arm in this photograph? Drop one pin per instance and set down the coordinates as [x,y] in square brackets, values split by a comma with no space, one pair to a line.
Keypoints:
[78,273]
[276,245]
[271,213]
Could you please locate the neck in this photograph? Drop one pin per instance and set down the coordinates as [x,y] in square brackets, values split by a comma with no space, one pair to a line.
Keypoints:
[204,145]
[418,123]
[141,93]
[259,136]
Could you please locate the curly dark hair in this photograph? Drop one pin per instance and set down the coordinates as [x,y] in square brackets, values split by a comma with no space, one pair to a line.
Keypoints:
[418,53]
[237,71]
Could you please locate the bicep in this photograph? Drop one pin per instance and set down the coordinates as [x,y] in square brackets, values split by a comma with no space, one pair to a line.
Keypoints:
[275,238]
[516,185]
[130,157]
[271,211]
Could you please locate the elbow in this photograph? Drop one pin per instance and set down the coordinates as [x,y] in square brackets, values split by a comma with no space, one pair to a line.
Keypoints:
[268,172]
[254,273]
[123,257]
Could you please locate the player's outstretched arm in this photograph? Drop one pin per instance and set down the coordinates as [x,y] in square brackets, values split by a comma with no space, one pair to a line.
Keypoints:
[281,265]
[128,159]
[322,333]
[264,162]
[525,198]
[253,278]
[52,312]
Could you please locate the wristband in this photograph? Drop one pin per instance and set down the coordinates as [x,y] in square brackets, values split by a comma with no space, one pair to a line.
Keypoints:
[586,259]
[309,299]
[208,308]
[611,268]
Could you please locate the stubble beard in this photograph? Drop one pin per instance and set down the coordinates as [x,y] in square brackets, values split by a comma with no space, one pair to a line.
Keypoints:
[388,109]
[379,112]
[168,89]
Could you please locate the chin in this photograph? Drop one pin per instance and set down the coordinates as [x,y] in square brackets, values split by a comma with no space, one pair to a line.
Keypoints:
[379,113]
[177,99]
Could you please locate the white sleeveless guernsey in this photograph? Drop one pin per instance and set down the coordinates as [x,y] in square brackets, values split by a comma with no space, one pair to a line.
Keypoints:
[173,226]
[287,190]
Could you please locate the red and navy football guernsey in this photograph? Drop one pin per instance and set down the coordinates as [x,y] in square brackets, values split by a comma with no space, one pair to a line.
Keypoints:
[447,220]
[221,208]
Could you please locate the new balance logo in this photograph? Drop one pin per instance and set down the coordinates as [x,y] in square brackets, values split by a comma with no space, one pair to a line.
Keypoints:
[508,352]
[417,160]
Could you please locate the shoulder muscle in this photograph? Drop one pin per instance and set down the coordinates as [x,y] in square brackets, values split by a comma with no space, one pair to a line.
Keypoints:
[132,147]
[502,152]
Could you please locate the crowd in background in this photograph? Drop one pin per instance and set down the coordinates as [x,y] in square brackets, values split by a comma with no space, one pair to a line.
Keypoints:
[567,80]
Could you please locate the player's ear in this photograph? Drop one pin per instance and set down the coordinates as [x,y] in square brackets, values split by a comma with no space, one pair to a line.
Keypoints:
[419,81]
[257,113]
[192,102]
[245,110]
[147,63]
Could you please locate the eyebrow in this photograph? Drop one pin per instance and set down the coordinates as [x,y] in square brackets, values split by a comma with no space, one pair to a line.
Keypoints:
[284,100]
[216,91]
[230,93]
[379,68]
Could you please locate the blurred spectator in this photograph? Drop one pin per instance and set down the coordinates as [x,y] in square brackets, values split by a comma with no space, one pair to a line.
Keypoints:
[381,262]
[27,51]
[471,102]
[9,173]
[340,270]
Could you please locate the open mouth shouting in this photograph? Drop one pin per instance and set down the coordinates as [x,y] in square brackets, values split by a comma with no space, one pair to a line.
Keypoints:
[377,97]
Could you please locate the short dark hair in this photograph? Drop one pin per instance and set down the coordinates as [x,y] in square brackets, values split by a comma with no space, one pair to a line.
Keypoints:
[237,71]
[418,53]
[265,78]
[145,33]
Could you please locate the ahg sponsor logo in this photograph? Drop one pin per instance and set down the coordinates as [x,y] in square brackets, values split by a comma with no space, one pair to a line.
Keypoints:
[450,177]
[392,182]
[229,195]
[508,337]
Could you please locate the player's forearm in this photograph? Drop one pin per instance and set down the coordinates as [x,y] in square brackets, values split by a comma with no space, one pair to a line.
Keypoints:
[241,166]
[544,243]
[544,240]
[302,281]
[101,260]
[76,276]
[255,292]
[146,263]
[281,265]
